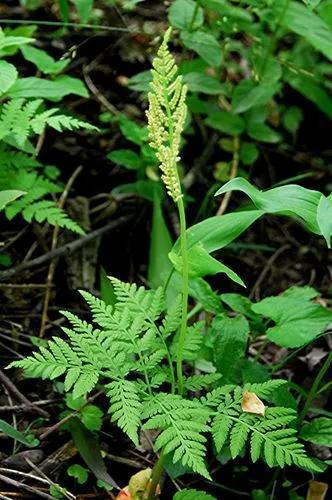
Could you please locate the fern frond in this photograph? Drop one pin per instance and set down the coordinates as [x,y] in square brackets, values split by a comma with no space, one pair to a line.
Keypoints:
[182,423]
[48,211]
[198,382]
[268,436]
[192,495]
[193,342]
[125,406]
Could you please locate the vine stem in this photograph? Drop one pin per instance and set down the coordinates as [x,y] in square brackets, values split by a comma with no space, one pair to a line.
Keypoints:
[185,293]
[315,386]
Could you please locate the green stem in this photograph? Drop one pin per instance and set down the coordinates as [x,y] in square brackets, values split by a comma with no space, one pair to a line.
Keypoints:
[185,293]
[62,24]
[156,475]
[315,386]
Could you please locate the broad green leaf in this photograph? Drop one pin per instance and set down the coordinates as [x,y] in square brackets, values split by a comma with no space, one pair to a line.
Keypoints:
[312,91]
[204,44]
[92,417]
[160,244]
[183,14]
[44,62]
[8,76]
[230,339]
[203,293]
[298,319]
[247,94]
[201,263]
[54,90]
[248,153]
[240,304]
[8,196]
[292,200]
[13,433]
[263,133]
[206,84]
[126,158]
[141,81]
[304,22]
[318,431]
[132,131]
[324,217]
[218,231]
[226,122]
[64,10]
[84,9]
[312,3]
[89,449]
[13,41]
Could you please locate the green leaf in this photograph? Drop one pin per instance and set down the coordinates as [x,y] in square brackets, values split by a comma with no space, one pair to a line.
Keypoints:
[13,433]
[292,119]
[217,232]
[306,23]
[312,3]
[84,9]
[262,132]
[126,158]
[226,122]
[89,449]
[44,62]
[9,195]
[160,244]
[206,84]
[183,14]
[78,472]
[54,90]
[106,288]
[141,81]
[298,320]
[8,76]
[132,131]
[312,91]
[92,417]
[247,94]
[204,44]
[192,495]
[292,200]
[13,41]
[318,431]
[324,217]
[202,264]
[230,339]
[248,153]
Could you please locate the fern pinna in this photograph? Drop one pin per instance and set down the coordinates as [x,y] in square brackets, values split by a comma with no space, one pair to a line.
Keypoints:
[131,349]
[20,119]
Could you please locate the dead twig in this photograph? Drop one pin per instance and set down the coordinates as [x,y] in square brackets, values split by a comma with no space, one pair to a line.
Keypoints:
[23,486]
[65,249]
[19,396]
[255,289]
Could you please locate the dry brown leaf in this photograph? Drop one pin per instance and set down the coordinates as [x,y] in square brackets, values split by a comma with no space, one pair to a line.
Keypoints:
[124,494]
[317,490]
[139,483]
[252,404]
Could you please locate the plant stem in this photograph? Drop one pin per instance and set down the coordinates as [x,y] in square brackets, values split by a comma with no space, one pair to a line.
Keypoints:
[185,292]
[315,386]
[156,474]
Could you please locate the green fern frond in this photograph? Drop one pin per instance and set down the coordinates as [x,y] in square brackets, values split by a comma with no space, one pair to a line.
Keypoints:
[183,424]
[199,382]
[268,436]
[20,118]
[193,342]
[192,495]
[125,406]
[48,211]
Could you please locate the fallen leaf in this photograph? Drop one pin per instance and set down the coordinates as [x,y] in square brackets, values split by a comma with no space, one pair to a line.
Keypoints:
[124,494]
[252,404]
[139,482]
[317,490]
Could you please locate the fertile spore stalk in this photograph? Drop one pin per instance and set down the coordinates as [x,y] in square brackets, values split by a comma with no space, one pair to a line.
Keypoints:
[166,117]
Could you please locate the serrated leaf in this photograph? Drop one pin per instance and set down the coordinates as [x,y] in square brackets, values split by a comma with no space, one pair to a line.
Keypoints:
[318,431]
